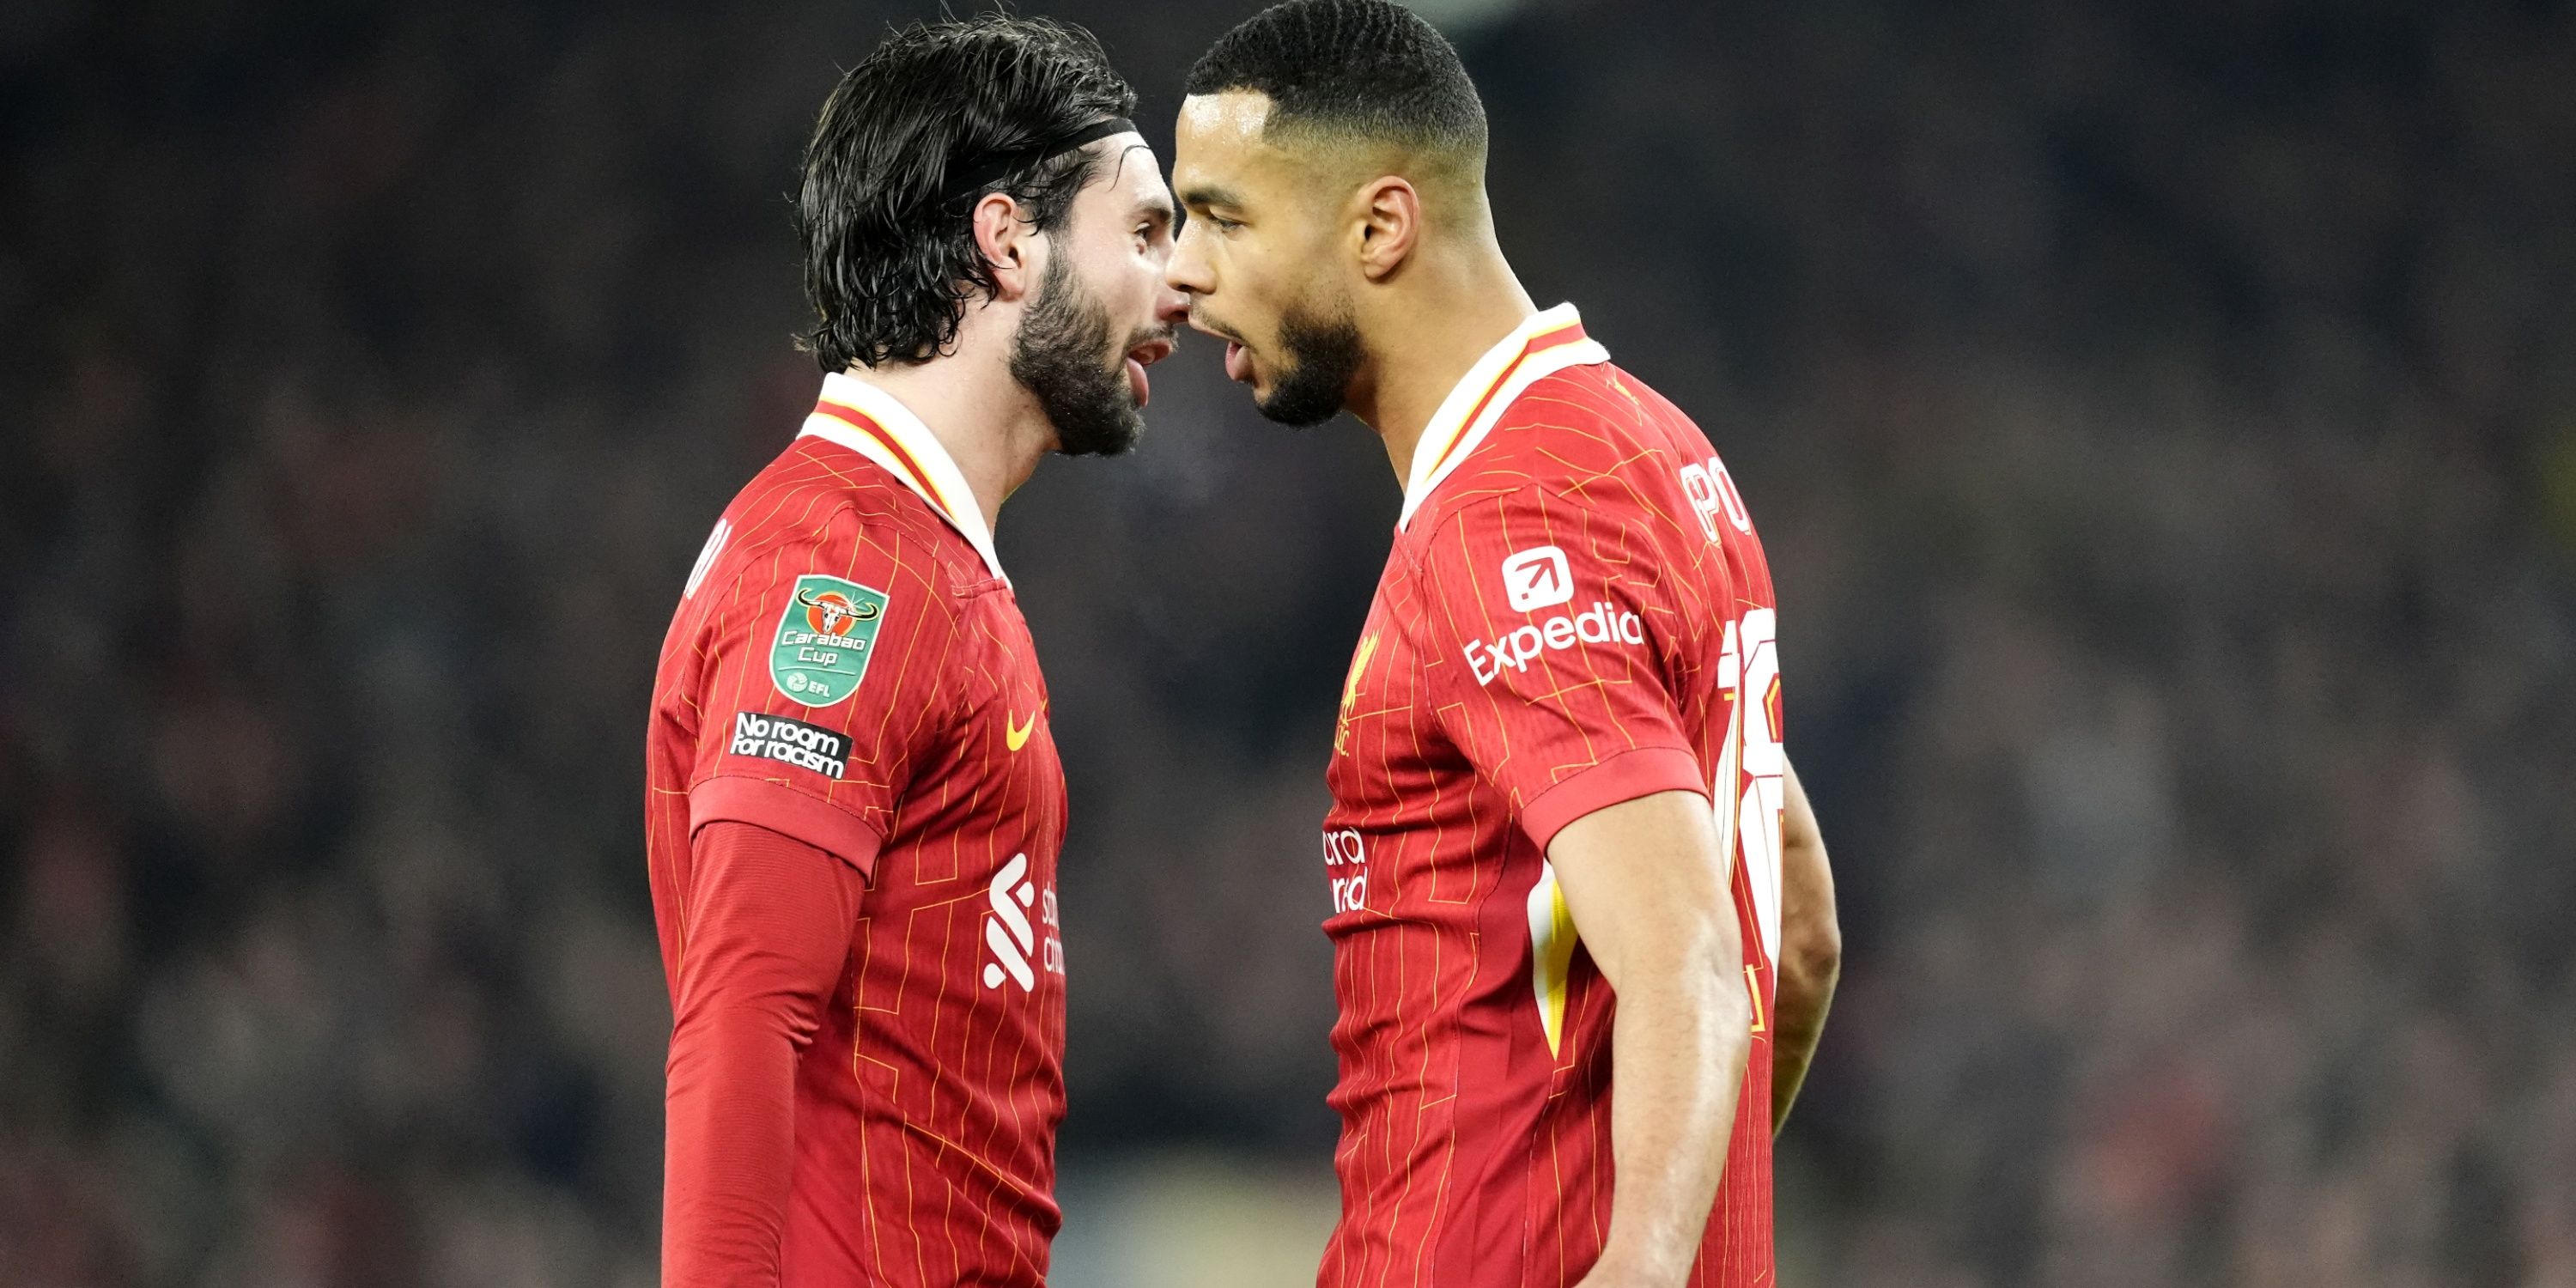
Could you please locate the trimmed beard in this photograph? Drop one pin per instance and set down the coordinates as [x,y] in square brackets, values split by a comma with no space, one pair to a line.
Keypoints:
[1056,356]
[1323,357]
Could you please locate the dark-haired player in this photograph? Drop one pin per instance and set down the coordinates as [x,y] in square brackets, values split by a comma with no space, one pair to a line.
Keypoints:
[1571,656]
[853,800]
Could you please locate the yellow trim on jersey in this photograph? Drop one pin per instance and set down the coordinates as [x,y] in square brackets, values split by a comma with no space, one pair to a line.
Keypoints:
[938,477]
[1489,388]
[1552,940]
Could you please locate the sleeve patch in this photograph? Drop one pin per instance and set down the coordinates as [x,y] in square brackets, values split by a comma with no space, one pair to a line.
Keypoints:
[790,742]
[825,637]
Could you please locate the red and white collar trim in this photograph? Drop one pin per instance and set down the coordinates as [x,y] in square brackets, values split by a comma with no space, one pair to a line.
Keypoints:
[868,420]
[1543,344]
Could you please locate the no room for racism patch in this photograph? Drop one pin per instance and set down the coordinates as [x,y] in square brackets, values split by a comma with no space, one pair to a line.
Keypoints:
[791,742]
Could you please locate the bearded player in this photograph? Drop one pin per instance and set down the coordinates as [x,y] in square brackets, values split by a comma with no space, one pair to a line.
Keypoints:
[1572,655]
[854,803]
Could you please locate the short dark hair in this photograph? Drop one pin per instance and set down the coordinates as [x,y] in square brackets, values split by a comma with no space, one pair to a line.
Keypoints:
[890,254]
[1367,68]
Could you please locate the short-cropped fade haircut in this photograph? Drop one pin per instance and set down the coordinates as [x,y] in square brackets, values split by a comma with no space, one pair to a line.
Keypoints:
[890,255]
[1361,69]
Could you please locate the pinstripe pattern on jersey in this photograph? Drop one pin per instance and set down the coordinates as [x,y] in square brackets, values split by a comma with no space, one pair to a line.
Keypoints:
[1472,1155]
[926,1106]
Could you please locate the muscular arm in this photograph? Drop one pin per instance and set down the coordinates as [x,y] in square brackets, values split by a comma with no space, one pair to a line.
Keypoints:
[1648,893]
[1811,951]
[768,931]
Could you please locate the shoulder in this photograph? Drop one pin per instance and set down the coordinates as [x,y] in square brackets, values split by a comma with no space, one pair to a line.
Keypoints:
[1590,436]
[823,510]
[824,544]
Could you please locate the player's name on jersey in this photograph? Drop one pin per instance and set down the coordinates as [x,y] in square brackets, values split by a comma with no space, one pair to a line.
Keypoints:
[791,742]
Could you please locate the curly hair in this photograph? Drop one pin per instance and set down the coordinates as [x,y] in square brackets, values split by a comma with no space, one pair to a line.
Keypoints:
[890,254]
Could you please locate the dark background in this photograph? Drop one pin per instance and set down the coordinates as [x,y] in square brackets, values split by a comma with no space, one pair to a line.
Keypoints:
[2162,420]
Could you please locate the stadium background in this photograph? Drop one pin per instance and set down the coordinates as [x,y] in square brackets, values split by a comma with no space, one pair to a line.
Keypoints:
[2162,420]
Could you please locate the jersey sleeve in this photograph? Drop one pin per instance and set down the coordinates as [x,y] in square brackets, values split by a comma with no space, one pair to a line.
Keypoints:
[822,688]
[1547,631]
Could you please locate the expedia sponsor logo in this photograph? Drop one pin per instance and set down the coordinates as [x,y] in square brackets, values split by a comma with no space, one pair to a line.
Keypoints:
[1537,578]
[1602,623]
[1014,940]
[791,742]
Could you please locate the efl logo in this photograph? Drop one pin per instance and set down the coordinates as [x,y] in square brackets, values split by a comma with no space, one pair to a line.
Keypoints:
[1537,578]
[1008,932]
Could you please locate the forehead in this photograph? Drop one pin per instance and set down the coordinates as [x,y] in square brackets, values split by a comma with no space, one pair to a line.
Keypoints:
[1219,136]
[1130,175]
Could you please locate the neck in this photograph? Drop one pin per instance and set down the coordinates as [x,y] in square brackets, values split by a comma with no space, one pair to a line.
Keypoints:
[986,422]
[1452,314]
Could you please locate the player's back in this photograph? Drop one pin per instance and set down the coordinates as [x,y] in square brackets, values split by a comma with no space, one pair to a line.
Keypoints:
[1571,617]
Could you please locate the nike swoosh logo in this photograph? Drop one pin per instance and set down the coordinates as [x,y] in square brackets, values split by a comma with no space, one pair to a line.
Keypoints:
[1017,736]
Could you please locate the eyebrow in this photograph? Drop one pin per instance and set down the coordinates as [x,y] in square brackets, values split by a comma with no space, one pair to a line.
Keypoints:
[1201,196]
[1159,204]
[1158,208]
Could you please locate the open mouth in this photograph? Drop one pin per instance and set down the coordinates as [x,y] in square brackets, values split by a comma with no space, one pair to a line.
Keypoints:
[1141,357]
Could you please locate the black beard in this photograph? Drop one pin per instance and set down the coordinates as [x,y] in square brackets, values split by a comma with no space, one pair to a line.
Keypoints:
[1322,359]
[1056,356]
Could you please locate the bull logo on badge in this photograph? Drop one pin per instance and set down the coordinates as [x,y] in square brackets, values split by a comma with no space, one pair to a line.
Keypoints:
[826,634]
[828,611]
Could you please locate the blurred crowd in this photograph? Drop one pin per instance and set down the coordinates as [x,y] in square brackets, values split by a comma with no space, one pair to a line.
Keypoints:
[2162,422]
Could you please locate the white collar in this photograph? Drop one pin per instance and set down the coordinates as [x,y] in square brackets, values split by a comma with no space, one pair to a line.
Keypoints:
[1543,344]
[868,420]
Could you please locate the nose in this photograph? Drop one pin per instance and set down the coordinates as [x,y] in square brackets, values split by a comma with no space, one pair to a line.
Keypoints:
[1187,270]
[1171,306]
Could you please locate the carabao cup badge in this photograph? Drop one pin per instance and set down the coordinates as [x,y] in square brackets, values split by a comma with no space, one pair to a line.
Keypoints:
[825,638]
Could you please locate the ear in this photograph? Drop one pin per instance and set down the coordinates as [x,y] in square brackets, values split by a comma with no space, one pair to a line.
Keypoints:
[1008,245]
[1389,224]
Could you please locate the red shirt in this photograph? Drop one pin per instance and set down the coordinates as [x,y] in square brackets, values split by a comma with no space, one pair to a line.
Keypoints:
[848,670]
[1576,612]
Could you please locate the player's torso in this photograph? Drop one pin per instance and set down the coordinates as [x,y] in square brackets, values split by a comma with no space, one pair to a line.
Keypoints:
[1473,1032]
[942,1055]
[928,1101]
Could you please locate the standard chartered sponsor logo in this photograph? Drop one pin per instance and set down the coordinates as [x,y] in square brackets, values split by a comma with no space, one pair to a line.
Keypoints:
[1011,937]
[1602,623]
[1346,864]
[791,742]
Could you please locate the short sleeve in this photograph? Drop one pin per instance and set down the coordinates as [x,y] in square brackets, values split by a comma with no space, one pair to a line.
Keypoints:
[821,688]
[1546,631]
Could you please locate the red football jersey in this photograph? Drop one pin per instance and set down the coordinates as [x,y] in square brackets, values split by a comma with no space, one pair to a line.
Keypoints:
[1575,613]
[848,667]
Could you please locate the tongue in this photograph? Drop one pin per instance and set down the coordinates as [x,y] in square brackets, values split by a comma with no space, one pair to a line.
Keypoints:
[1136,382]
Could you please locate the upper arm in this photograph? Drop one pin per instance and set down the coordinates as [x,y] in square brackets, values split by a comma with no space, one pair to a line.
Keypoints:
[770,927]
[821,688]
[1647,888]
[1542,629]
